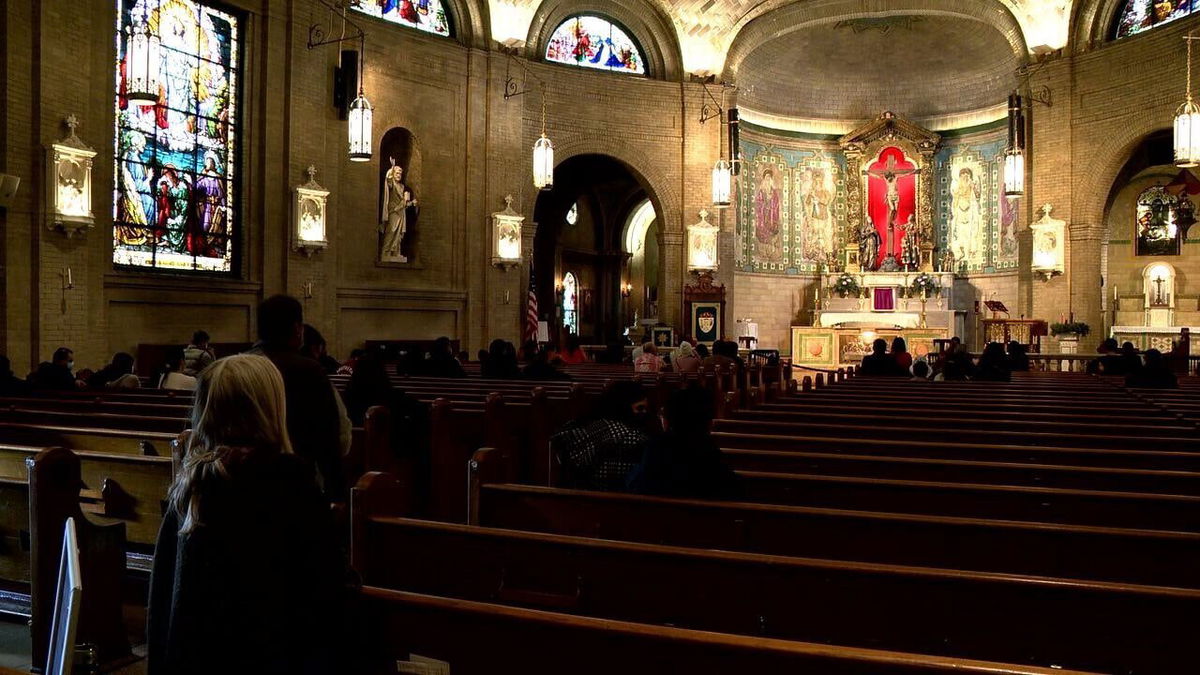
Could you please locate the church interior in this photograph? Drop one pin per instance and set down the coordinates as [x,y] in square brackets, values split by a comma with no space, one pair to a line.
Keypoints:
[653,336]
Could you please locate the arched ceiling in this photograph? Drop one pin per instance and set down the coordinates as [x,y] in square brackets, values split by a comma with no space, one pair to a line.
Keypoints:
[941,70]
[708,28]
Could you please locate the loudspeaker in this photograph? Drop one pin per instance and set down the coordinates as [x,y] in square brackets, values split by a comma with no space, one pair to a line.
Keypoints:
[345,82]
[8,189]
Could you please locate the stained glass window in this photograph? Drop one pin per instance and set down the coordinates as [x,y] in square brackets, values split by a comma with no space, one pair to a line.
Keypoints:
[1142,15]
[174,201]
[570,304]
[1156,232]
[593,42]
[573,214]
[427,15]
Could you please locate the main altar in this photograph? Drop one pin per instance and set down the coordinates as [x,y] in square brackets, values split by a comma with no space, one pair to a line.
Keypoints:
[883,284]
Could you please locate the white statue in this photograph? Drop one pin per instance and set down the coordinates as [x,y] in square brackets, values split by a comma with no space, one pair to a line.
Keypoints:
[397,198]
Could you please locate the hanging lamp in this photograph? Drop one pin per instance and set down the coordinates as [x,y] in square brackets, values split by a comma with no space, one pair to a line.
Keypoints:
[359,118]
[543,156]
[142,60]
[721,183]
[1187,122]
[1014,154]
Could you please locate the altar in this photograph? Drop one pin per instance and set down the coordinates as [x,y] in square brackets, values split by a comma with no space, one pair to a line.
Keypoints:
[1155,314]
[884,306]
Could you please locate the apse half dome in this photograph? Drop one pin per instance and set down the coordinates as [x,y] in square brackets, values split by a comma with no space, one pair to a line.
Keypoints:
[590,41]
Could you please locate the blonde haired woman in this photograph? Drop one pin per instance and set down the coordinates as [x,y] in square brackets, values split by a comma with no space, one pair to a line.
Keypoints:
[247,573]
[685,359]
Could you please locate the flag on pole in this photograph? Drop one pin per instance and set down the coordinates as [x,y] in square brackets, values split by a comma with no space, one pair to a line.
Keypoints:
[531,310]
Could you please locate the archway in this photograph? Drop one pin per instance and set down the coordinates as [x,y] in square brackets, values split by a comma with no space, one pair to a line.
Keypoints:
[582,221]
[640,243]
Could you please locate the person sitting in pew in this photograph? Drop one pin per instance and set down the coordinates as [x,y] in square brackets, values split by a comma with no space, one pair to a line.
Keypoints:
[597,453]
[501,362]
[993,364]
[1155,374]
[879,363]
[248,575]
[172,373]
[1131,358]
[721,356]
[1109,362]
[441,361]
[920,371]
[317,421]
[57,374]
[116,375]
[11,385]
[685,360]
[1018,358]
[648,361]
[317,349]
[900,354]
[572,354]
[371,386]
[685,461]
[198,354]
[543,368]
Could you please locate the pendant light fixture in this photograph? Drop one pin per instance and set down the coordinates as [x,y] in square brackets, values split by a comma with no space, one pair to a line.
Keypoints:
[543,156]
[1187,122]
[359,118]
[142,60]
[722,173]
[1014,154]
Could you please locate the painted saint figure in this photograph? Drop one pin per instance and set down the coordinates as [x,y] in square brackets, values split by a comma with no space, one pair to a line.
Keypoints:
[966,216]
[137,205]
[397,199]
[766,218]
[210,209]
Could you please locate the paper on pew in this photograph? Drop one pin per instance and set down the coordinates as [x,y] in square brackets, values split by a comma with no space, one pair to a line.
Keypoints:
[422,665]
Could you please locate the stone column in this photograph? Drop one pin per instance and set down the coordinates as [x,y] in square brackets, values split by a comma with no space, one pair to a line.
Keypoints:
[671,266]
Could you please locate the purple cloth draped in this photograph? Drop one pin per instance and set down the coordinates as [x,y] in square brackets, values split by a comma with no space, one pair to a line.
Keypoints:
[885,299]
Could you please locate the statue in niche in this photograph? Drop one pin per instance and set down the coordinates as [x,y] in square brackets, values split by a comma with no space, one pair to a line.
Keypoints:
[868,246]
[398,201]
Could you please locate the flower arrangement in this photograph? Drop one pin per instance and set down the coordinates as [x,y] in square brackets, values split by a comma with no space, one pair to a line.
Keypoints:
[846,285]
[1070,328]
[924,285]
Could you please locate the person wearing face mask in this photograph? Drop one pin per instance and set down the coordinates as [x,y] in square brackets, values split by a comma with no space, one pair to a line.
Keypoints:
[57,374]
[598,452]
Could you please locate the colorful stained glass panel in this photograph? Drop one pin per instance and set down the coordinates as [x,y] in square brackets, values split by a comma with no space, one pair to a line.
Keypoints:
[426,15]
[174,202]
[594,42]
[1142,15]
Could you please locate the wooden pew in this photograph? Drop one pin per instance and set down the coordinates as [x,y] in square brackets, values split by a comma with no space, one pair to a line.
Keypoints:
[481,638]
[1085,552]
[79,435]
[1062,622]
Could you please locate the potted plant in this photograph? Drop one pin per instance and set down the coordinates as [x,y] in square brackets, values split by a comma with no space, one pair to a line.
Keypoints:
[1068,334]
[845,286]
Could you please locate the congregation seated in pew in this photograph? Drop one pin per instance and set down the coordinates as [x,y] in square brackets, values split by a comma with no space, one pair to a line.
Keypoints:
[57,374]
[248,575]
[599,451]
[1155,373]
[683,460]
[118,374]
[173,377]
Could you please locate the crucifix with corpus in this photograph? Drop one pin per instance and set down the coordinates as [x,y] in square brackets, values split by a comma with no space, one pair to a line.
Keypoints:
[891,176]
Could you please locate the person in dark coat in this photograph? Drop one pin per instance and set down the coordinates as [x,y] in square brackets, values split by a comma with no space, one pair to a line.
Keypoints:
[316,349]
[993,364]
[248,576]
[879,362]
[1155,374]
[116,375]
[56,374]
[11,385]
[315,414]
[442,362]
[685,461]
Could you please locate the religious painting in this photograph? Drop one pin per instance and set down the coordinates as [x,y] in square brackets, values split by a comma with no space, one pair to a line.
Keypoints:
[424,15]
[174,202]
[1155,230]
[594,42]
[706,322]
[663,337]
[814,211]
[966,231]
[891,204]
[1007,207]
[768,213]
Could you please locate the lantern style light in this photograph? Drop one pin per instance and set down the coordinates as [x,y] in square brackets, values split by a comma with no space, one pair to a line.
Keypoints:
[1014,154]
[142,59]
[506,236]
[1187,122]
[360,128]
[543,156]
[721,183]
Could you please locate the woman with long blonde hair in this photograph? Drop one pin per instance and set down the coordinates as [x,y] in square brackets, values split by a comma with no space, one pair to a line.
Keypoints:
[247,575]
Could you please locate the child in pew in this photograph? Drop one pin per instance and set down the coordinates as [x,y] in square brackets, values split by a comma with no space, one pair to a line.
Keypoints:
[685,461]
[248,576]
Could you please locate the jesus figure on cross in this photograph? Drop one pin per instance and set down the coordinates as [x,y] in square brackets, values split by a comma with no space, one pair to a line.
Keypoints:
[891,175]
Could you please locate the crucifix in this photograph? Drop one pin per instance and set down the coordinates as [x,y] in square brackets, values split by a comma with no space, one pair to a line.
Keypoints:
[891,176]
[1158,293]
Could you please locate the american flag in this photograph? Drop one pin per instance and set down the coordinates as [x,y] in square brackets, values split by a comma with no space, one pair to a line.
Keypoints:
[531,310]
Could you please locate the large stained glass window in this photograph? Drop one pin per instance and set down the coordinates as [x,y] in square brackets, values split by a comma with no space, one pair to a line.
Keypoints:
[570,303]
[427,15]
[176,181]
[593,42]
[1142,15]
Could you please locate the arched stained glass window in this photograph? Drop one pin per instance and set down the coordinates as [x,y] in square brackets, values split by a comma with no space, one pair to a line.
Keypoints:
[175,198]
[1141,15]
[594,42]
[573,213]
[425,15]
[570,303]
[1155,231]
